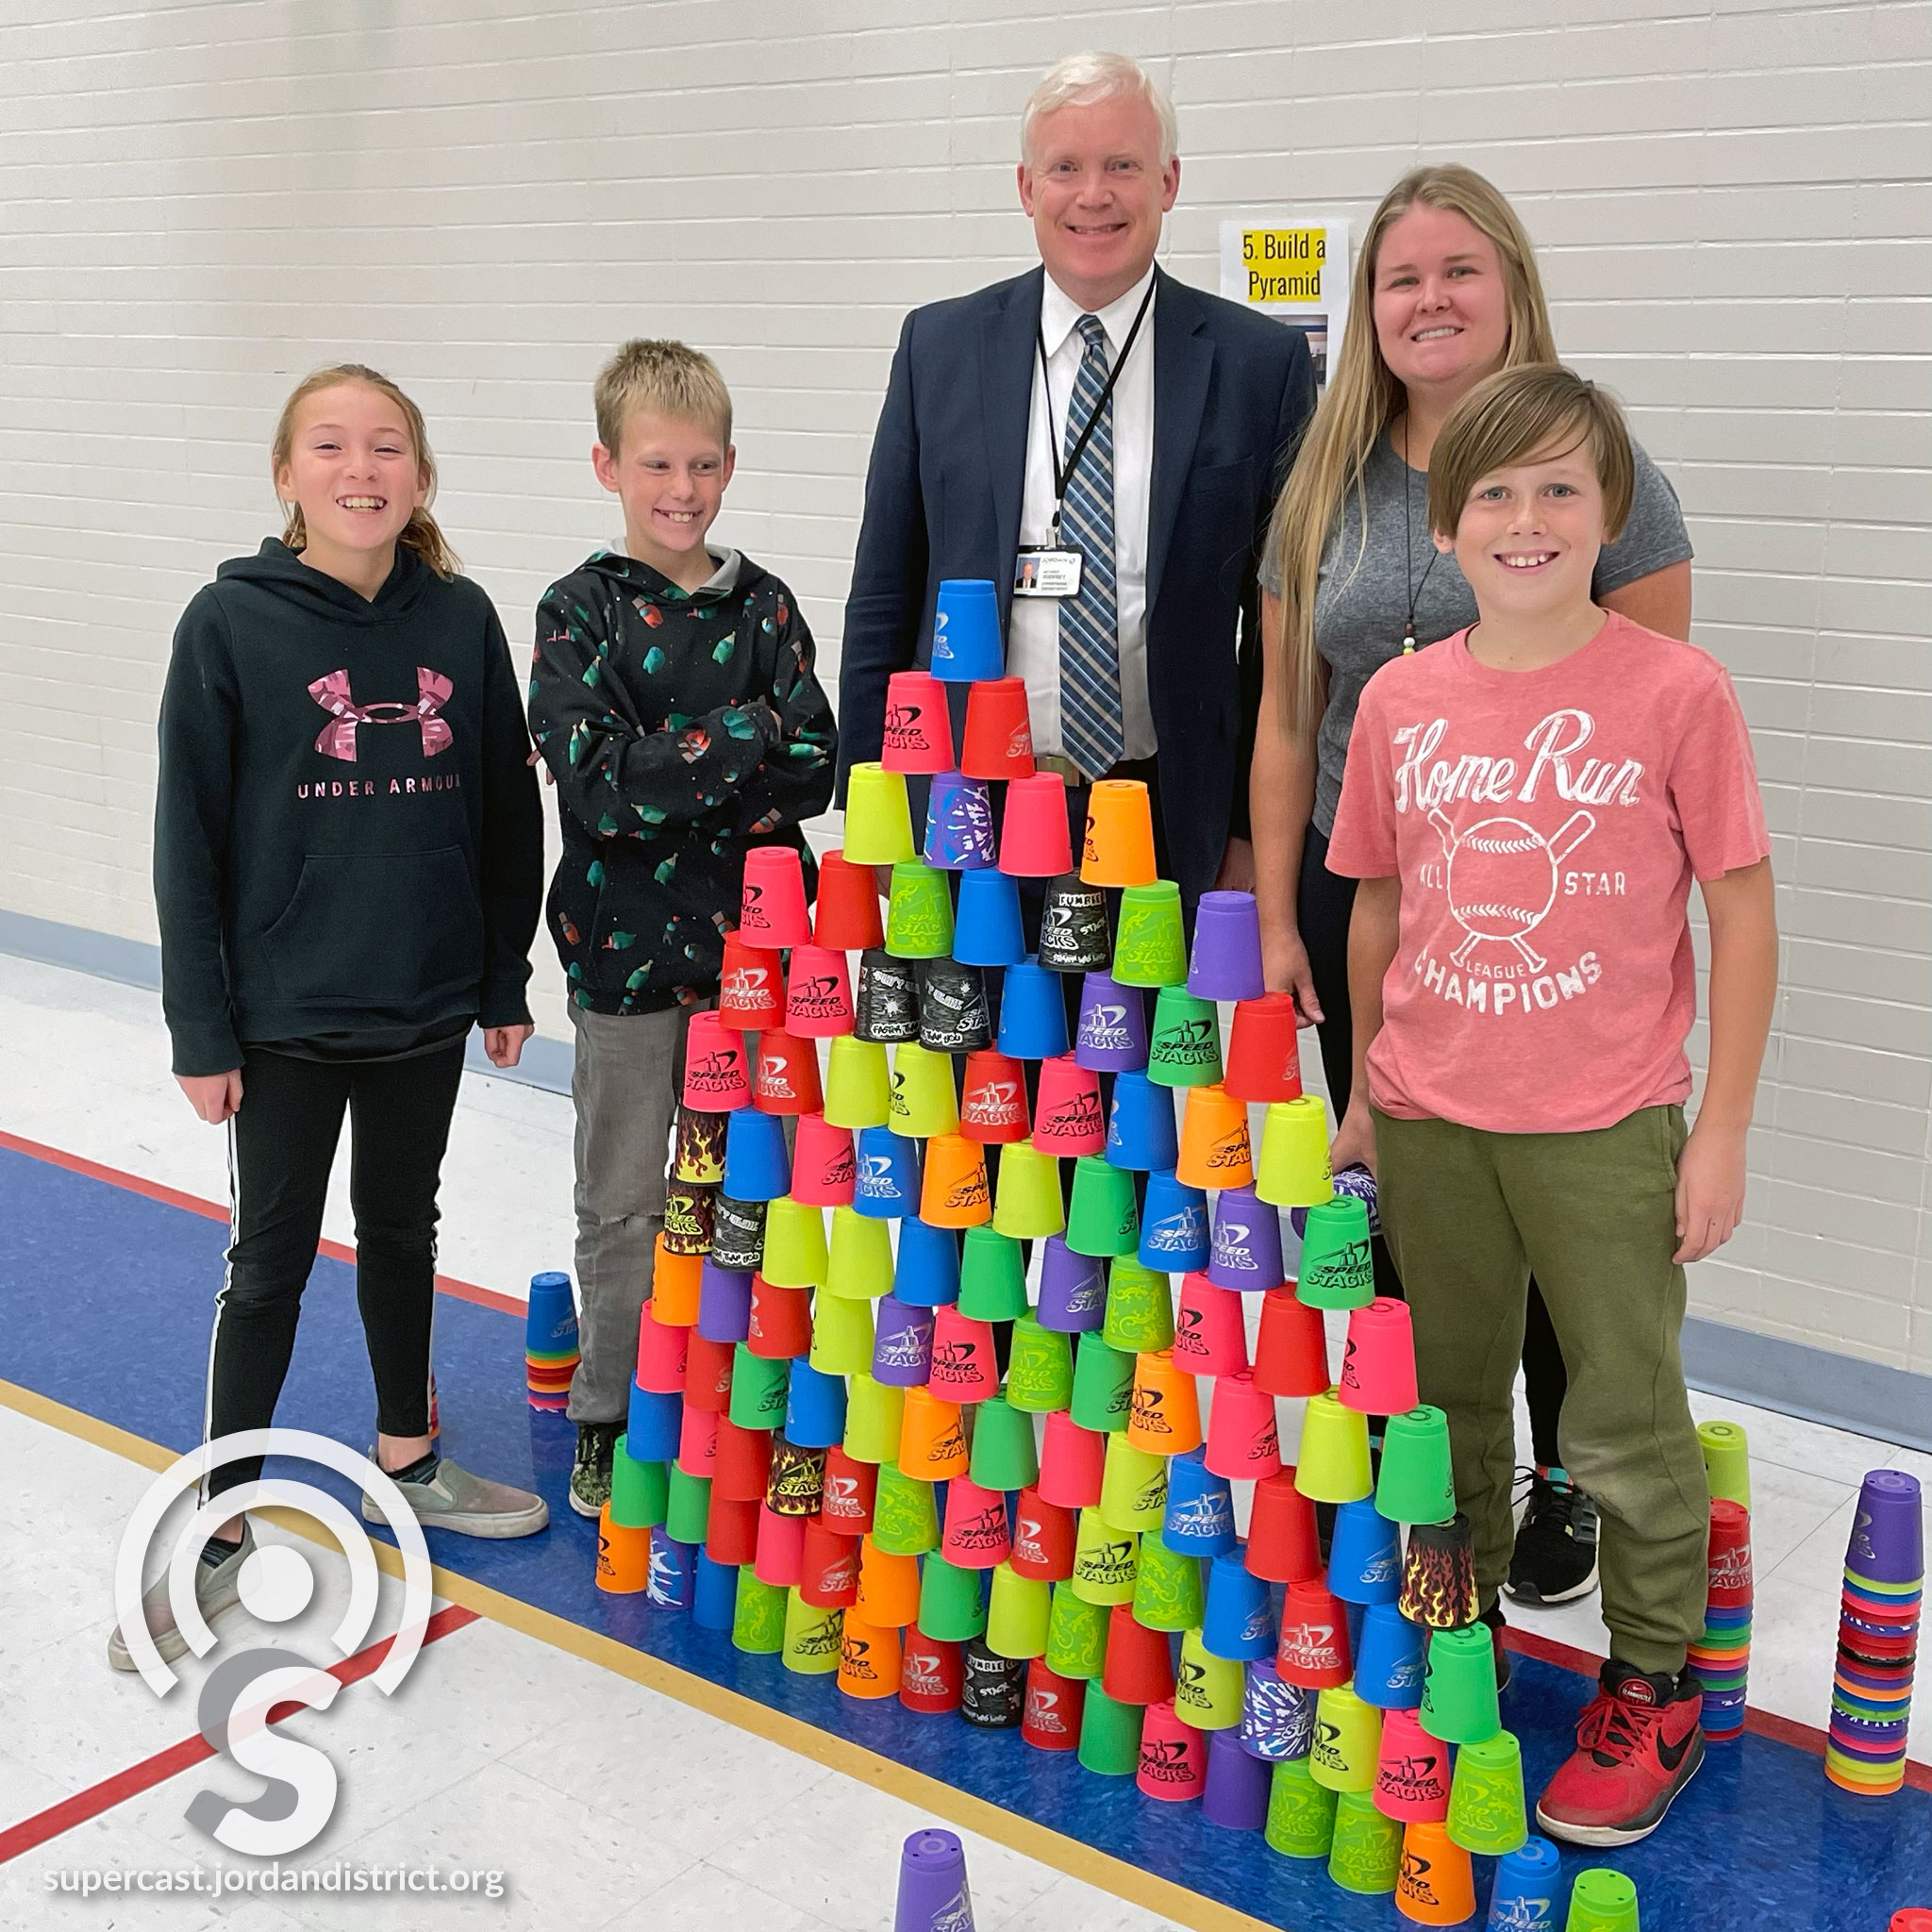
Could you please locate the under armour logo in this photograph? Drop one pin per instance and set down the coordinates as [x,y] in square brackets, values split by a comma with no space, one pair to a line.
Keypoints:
[337,736]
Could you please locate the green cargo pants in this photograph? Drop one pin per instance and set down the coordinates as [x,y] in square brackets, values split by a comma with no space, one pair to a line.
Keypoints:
[1468,1215]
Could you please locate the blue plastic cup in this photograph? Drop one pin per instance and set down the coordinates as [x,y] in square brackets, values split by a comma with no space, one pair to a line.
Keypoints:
[902,1343]
[1240,1620]
[925,1274]
[1527,1883]
[1277,1718]
[1033,1013]
[724,1303]
[1141,1131]
[1173,1223]
[673,1572]
[1365,1556]
[714,1591]
[550,1326]
[966,631]
[814,1407]
[655,1423]
[1200,1508]
[1072,1288]
[1246,1249]
[959,824]
[886,1188]
[1389,1655]
[756,1164]
[986,923]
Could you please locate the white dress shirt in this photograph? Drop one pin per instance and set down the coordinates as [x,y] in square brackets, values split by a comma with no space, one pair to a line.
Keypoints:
[1033,631]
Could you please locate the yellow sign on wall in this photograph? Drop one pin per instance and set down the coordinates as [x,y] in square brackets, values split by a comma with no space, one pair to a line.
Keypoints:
[1291,264]
[1284,264]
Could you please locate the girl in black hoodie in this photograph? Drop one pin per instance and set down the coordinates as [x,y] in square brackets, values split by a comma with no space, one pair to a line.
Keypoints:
[348,868]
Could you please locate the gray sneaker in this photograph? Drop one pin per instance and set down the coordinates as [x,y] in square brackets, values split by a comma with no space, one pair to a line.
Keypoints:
[454,1499]
[216,1590]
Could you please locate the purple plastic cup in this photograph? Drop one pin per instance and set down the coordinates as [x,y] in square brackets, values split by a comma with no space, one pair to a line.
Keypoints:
[1246,1253]
[1072,1288]
[1887,1542]
[933,1895]
[959,824]
[1278,1719]
[902,1343]
[1228,954]
[724,1303]
[1112,1034]
[1236,1797]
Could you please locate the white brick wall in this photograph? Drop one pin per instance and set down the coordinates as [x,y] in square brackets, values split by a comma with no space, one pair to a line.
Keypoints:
[203,200]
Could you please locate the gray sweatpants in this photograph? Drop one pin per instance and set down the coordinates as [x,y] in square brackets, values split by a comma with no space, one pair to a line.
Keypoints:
[624,1085]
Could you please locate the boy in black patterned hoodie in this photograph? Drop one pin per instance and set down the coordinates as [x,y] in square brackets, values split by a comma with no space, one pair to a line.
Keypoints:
[674,699]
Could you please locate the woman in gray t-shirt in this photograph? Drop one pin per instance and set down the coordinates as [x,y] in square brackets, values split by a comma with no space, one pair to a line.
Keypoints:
[1446,292]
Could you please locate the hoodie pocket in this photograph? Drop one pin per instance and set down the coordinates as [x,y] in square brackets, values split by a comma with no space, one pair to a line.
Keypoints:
[380,929]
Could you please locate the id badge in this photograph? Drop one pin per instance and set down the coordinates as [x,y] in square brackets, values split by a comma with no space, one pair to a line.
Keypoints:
[1047,574]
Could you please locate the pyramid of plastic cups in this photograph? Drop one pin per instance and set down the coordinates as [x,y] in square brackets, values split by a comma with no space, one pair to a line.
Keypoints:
[954,1013]
[1072,1288]
[1149,944]
[738,1235]
[1075,935]
[1412,1774]
[1239,1620]
[1293,1171]
[998,738]
[932,1437]
[755,1168]
[724,1305]
[1184,1047]
[955,1192]
[751,992]
[858,1258]
[1245,1250]
[1348,1734]
[931,1674]
[1264,1050]
[993,1693]
[1068,1119]
[1314,1648]
[1033,1015]
[1035,841]
[1603,1901]
[964,1367]
[1076,1635]
[1282,1544]
[1528,1882]
[1366,1854]
[1415,1483]
[1436,1885]
[1053,1708]
[1043,1537]
[1139,1307]
[1214,1151]
[1486,1807]
[1459,1686]
[1209,1337]
[1112,1034]
[1243,1441]
[818,994]
[1332,1464]
[986,931]
[1168,1593]
[1118,848]
[1291,1346]
[717,1077]
[1438,1589]
[1277,1718]
[1139,1666]
[1102,1385]
[1364,1556]
[1103,1218]
[1236,1793]
[1174,1235]
[902,1343]
[550,1341]
[1109,1735]
[1165,1419]
[1389,1659]
[878,821]
[966,631]
[1027,1204]
[884,1003]
[1040,1370]
[1336,1270]
[975,1534]
[1105,1562]
[1207,1688]
[1133,1485]
[1141,1129]
[1199,1517]
[858,1087]
[1301,1814]
[772,911]
[1378,1360]
[959,824]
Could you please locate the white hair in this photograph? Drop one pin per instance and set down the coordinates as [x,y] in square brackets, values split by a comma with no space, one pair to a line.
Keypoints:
[1082,80]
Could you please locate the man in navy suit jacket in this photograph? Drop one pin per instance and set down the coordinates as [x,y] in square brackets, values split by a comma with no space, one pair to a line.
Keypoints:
[1203,428]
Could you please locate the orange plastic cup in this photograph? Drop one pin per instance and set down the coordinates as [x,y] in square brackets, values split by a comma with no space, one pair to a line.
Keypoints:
[954,1192]
[1215,1141]
[1437,1886]
[675,1282]
[1119,835]
[624,1557]
[888,1587]
[1166,1415]
[871,1659]
[932,1442]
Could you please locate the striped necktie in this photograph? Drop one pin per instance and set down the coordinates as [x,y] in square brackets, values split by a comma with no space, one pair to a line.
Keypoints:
[1089,633]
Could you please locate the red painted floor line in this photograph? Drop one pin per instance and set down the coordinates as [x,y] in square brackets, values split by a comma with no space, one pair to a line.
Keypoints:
[214,1210]
[70,1812]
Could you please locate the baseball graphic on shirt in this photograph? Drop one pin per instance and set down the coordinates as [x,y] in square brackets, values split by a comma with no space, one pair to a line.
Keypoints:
[1502,879]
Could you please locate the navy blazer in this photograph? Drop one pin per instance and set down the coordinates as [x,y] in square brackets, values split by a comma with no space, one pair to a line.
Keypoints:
[1232,391]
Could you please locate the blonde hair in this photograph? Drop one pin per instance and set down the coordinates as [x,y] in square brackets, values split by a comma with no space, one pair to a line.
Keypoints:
[1083,80]
[422,533]
[1363,398]
[666,378]
[1509,417]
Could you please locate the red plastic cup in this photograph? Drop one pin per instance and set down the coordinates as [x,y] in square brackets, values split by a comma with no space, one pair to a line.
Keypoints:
[1292,1347]
[1283,1543]
[964,1368]
[1069,1119]
[662,1352]
[740,1465]
[1209,1334]
[1313,1650]
[1173,1757]
[1071,1462]
[848,918]
[818,993]
[931,1675]
[825,1171]
[975,1536]
[1036,842]
[1730,1555]
[828,1574]
[1378,1363]
[993,1105]
[998,740]
[773,913]
[1051,1717]
[787,1075]
[717,1078]
[751,988]
[780,1321]
[1264,1055]
[1043,1537]
[781,1548]
[697,1440]
[1140,1668]
[707,1375]
[731,1531]
[919,728]
[850,1488]
[1243,1441]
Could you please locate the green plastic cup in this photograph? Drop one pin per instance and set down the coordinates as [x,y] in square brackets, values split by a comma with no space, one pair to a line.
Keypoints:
[1102,1386]
[758,1390]
[640,1491]
[1133,1486]
[1184,1044]
[1026,1204]
[992,1276]
[878,820]
[1332,1464]
[1459,1686]
[842,1334]
[951,1608]
[1366,1854]
[1603,1901]
[1040,1370]
[757,1615]
[1726,1461]
[1336,1271]
[1104,1561]
[812,1637]
[1167,1590]
[1301,1814]
[1347,1736]
[1103,1219]
[1487,1812]
[1208,1690]
[1004,1456]
[1076,1635]
[1140,1308]
[1416,1483]
[905,1516]
[1109,1733]
[1017,1619]
[1150,947]
[795,1243]
[919,917]
[687,1506]
[859,1259]
[875,1413]
[858,1093]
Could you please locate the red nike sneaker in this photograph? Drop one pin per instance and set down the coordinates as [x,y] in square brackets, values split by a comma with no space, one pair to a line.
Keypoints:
[1638,1744]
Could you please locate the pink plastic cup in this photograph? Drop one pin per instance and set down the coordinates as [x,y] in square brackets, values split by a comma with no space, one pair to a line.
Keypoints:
[1243,1441]
[716,1077]
[1209,1335]
[1036,842]
[1379,1362]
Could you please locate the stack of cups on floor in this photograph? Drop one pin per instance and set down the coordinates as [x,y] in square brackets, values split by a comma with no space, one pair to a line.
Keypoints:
[1877,1637]
[1721,1658]
[550,1344]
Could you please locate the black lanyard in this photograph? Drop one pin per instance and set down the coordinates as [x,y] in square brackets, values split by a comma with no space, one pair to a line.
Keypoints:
[1063,472]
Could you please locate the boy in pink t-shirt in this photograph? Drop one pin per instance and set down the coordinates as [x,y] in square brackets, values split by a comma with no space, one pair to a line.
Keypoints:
[1525,805]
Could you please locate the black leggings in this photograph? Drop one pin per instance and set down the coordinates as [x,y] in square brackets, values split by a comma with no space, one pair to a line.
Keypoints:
[1324,902]
[281,1146]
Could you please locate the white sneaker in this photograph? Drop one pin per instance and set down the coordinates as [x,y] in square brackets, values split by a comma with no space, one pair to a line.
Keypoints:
[217,1590]
[451,1498]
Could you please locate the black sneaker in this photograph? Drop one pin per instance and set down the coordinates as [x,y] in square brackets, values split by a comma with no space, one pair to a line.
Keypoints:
[1555,1558]
[589,1476]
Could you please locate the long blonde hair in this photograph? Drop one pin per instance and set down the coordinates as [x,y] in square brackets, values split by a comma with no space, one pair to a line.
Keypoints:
[422,534]
[1363,398]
